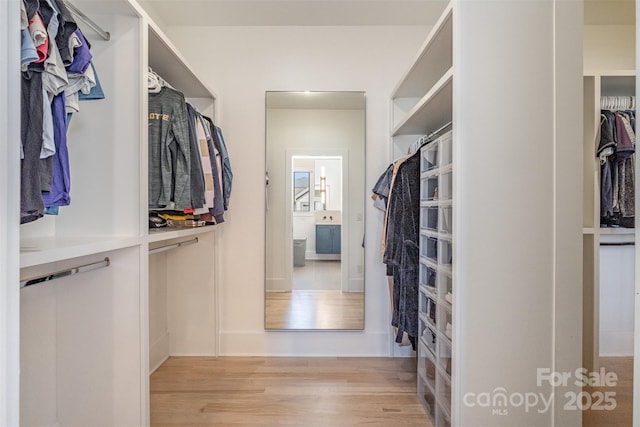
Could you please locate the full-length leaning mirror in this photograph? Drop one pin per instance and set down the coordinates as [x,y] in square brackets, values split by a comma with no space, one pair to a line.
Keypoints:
[315,210]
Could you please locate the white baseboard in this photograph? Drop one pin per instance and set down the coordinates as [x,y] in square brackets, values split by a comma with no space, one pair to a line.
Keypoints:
[305,344]
[616,344]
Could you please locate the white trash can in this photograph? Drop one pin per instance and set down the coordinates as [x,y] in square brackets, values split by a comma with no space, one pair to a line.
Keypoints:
[299,250]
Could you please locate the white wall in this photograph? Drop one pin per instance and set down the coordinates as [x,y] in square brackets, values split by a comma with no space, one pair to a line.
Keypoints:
[609,47]
[241,63]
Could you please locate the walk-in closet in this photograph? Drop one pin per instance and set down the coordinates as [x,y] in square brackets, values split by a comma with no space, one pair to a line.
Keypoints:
[456,179]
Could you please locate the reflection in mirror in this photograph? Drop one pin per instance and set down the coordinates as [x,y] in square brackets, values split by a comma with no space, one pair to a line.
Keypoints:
[301,191]
[315,210]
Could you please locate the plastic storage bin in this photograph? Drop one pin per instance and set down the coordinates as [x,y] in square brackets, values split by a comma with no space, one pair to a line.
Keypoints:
[428,336]
[445,150]
[428,277]
[429,159]
[444,356]
[445,288]
[442,418]
[429,218]
[429,188]
[429,246]
[299,250]
[443,391]
[445,186]
[445,219]
[427,366]
[445,253]
[445,322]
[427,398]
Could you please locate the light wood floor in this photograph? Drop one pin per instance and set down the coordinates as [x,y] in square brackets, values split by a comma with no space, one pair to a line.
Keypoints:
[622,415]
[258,391]
[286,392]
[314,309]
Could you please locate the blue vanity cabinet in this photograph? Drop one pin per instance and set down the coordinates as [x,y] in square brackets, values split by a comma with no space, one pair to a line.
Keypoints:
[328,238]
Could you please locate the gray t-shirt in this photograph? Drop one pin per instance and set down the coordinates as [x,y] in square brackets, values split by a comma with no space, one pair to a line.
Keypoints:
[169,151]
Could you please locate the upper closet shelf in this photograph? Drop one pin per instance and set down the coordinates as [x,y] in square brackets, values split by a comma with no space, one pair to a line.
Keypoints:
[163,56]
[43,250]
[434,59]
[176,72]
[433,111]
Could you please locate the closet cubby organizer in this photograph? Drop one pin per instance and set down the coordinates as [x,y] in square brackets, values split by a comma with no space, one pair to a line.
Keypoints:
[89,341]
[422,105]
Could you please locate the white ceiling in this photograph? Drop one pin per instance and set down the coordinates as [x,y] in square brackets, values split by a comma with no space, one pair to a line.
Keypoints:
[296,12]
[342,12]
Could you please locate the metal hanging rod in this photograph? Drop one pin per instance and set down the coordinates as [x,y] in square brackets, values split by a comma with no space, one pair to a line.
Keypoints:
[427,138]
[617,243]
[64,273]
[172,246]
[84,18]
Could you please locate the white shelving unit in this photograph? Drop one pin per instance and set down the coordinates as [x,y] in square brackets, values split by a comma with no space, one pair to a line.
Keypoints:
[436,280]
[597,84]
[505,172]
[87,341]
[423,103]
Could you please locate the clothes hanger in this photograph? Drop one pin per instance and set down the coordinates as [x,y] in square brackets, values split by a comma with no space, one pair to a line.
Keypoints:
[153,82]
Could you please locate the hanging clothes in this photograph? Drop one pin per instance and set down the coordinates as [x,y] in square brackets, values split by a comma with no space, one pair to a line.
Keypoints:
[211,168]
[399,190]
[616,151]
[227,173]
[61,51]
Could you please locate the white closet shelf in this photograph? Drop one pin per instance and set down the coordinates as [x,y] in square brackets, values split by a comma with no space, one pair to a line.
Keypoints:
[424,70]
[43,250]
[432,112]
[172,233]
[613,230]
[178,73]
[608,73]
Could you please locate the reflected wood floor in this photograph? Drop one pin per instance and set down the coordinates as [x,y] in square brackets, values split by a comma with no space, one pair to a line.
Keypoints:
[259,391]
[314,309]
[622,415]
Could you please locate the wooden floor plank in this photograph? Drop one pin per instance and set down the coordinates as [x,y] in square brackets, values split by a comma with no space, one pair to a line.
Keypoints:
[253,391]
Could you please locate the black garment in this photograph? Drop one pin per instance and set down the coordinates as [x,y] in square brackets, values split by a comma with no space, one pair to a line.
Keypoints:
[31,125]
[46,12]
[197,174]
[402,251]
[67,27]
[31,7]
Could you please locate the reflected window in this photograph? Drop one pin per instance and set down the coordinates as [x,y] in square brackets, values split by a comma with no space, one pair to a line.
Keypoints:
[301,196]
